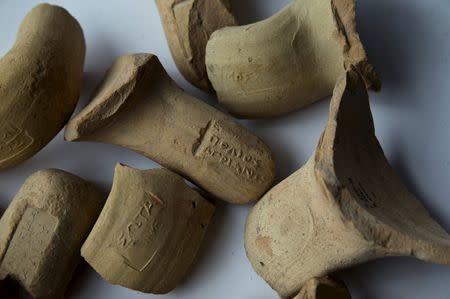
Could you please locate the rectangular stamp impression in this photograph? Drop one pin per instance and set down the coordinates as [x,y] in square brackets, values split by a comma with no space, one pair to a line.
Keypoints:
[13,141]
[135,242]
[219,144]
[30,243]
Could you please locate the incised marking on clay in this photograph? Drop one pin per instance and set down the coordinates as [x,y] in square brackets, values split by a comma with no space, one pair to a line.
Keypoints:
[132,242]
[218,143]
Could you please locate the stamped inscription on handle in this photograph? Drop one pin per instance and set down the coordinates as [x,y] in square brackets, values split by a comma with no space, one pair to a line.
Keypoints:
[13,141]
[218,143]
[30,243]
[135,241]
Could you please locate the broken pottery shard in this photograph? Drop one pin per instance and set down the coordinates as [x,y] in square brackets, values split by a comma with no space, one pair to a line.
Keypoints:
[323,288]
[42,231]
[40,81]
[138,106]
[287,61]
[345,206]
[149,231]
[188,24]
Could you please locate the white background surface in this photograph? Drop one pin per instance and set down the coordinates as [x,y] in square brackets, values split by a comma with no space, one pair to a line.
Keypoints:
[408,42]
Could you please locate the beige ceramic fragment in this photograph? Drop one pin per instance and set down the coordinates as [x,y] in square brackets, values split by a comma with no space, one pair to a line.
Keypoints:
[40,80]
[345,206]
[323,288]
[149,231]
[288,61]
[42,231]
[188,24]
[139,106]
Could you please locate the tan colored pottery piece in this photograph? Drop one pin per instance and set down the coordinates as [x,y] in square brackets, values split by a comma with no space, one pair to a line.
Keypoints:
[344,207]
[149,231]
[40,81]
[323,288]
[138,106]
[188,24]
[43,229]
[287,61]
